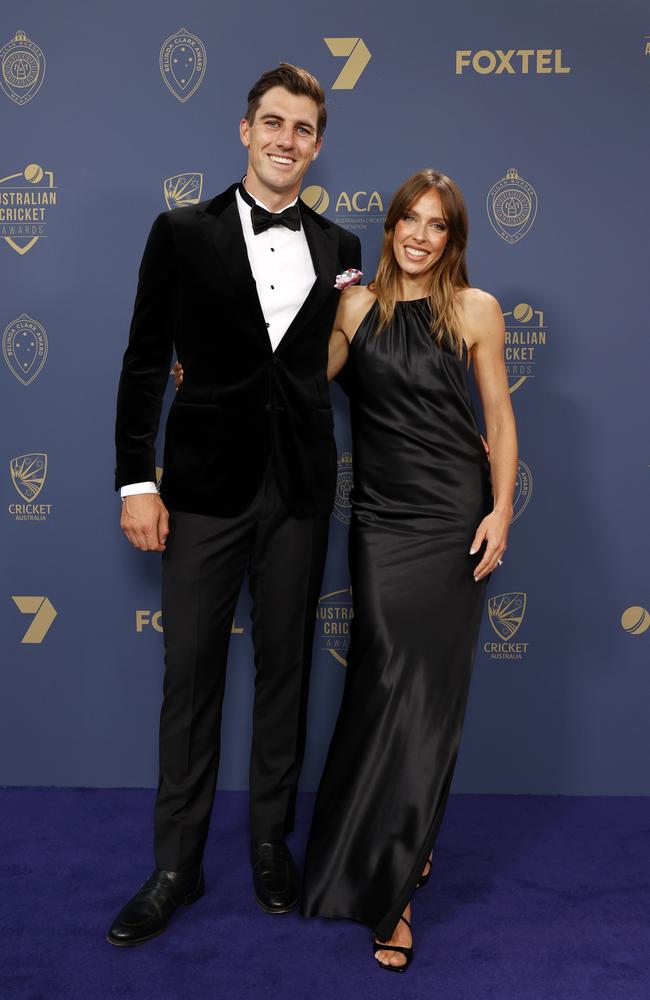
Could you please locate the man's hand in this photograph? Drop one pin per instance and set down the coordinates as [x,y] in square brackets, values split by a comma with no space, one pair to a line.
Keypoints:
[145,521]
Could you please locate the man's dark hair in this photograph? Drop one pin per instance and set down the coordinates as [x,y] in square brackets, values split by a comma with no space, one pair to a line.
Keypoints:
[297,81]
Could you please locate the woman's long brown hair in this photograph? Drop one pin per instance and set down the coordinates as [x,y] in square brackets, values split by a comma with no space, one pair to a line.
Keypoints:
[447,276]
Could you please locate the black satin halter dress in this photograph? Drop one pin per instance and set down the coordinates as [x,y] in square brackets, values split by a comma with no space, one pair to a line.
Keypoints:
[421,488]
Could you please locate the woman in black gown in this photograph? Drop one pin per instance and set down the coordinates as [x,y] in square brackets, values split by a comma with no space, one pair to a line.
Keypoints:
[430,519]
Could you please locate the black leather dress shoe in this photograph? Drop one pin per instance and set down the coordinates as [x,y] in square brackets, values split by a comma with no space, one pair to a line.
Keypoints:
[148,913]
[275,877]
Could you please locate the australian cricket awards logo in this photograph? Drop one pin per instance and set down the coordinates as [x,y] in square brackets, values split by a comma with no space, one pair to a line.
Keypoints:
[182,63]
[512,207]
[183,189]
[24,346]
[333,617]
[28,474]
[22,68]
[525,335]
[523,490]
[352,209]
[24,205]
[506,613]
[342,506]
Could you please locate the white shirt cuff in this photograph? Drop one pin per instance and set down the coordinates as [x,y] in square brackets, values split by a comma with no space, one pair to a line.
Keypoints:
[133,488]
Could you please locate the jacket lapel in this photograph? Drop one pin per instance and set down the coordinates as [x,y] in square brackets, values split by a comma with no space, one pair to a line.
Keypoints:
[222,227]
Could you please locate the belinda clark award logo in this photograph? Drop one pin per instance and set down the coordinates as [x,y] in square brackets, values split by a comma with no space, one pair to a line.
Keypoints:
[183,60]
[24,346]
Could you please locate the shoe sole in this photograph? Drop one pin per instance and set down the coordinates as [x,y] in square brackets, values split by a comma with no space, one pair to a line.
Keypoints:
[275,909]
[192,898]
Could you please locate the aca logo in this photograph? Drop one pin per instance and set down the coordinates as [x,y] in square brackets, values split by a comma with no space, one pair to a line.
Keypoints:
[183,189]
[352,210]
[635,620]
[24,346]
[342,506]
[358,56]
[506,613]
[183,60]
[511,207]
[511,61]
[24,206]
[28,474]
[22,68]
[523,490]
[44,614]
[146,619]
[333,617]
[525,335]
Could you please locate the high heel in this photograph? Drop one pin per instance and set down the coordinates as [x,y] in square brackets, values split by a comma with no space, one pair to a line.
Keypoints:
[407,952]
[424,878]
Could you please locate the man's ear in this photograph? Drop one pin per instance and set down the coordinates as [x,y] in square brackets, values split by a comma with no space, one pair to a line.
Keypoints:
[244,129]
[319,143]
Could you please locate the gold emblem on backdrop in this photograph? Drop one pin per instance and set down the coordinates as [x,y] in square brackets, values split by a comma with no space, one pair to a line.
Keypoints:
[316,197]
[511,207]
[525,335]
[358,57]
[505,614]
[523,490]
[342,506]
[352,210]
[23,206]
[183,189]
[635,620]
[183,60]
[24,347]
[44,614]
[159,475]
[22,68]
[333,617]
[28,474]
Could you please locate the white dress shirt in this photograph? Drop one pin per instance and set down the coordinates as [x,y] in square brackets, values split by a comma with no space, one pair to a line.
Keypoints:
[282,267]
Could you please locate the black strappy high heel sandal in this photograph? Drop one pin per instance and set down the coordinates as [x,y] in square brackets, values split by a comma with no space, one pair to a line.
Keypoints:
[407,952]
[423,879]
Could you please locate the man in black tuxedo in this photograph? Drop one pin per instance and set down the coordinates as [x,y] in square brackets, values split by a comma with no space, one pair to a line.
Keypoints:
[243,287]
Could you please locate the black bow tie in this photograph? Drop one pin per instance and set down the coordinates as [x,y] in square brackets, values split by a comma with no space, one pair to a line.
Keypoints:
[263,220]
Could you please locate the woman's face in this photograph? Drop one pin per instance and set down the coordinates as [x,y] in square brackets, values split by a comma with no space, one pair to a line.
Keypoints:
[421,234]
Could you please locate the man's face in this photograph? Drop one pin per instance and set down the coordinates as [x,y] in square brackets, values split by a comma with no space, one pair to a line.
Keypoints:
[281,142]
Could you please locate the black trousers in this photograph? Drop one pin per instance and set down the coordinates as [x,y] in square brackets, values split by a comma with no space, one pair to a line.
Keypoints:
[204,565]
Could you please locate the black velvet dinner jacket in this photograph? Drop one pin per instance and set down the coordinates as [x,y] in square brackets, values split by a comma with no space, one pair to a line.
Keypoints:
[240,403]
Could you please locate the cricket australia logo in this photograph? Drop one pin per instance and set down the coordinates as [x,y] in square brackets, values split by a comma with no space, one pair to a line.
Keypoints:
[183,189]
[506,613]
[512,207]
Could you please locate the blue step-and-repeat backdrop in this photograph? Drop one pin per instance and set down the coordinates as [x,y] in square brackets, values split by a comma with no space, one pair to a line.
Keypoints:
[111,112]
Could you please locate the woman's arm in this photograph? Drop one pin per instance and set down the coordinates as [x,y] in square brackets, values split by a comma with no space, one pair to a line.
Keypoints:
[483,328]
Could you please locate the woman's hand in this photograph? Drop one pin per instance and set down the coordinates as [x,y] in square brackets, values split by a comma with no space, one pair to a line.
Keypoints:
[493,529]
[177,372]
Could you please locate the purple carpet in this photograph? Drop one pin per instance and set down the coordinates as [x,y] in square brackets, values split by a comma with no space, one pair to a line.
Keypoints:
[530,898]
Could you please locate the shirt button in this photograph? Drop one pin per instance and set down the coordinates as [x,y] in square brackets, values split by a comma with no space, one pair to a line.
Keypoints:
[273,287]
[272,249]
[268,325]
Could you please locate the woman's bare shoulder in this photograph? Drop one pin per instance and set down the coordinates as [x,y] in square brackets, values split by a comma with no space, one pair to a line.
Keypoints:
[354,304]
